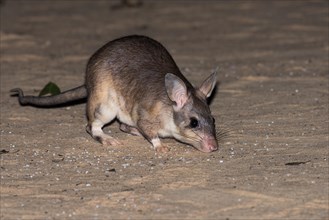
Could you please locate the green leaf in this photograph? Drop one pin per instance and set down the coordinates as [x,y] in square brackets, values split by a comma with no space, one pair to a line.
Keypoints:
[50,89]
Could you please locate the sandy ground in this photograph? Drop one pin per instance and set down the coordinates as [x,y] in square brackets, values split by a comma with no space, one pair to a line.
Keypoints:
[272,97]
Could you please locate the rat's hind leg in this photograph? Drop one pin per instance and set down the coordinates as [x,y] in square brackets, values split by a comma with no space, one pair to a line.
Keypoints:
[130,130]
[100,113]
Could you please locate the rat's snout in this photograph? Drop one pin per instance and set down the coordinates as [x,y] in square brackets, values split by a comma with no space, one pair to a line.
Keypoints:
[209,144]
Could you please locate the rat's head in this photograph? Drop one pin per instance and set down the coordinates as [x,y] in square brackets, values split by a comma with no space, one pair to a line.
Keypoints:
[192,116]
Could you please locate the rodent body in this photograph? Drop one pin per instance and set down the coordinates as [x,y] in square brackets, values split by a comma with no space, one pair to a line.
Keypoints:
[135,80]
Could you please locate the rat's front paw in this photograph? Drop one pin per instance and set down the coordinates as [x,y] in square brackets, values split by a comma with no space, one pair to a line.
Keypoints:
[162,149]
[158,146]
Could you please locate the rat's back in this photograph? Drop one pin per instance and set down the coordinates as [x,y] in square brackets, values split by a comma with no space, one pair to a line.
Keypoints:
[135,65]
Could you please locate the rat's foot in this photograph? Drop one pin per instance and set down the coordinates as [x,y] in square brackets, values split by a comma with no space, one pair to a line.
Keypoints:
[130,130]
[158,146]
[108,140]
[98,134]
[162,149]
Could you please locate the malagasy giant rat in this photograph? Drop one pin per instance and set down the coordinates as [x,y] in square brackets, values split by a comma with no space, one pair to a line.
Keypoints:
[135,80]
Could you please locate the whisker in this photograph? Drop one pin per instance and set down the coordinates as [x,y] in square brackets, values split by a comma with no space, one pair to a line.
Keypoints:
[224,133]
[192,139]
[221,135]
[197,134]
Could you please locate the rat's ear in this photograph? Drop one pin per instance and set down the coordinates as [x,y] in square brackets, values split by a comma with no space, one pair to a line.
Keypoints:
[209,84]
[176,90]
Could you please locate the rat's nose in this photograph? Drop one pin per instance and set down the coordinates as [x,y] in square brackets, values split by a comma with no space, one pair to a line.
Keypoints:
[210,144]
[213,147]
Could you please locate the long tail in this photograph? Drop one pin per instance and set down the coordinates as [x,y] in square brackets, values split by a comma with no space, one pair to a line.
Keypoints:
[66,97]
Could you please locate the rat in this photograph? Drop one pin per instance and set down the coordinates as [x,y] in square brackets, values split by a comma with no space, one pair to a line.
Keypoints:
[134,79]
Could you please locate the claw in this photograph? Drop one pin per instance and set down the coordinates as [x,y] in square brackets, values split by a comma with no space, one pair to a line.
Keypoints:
[162,149]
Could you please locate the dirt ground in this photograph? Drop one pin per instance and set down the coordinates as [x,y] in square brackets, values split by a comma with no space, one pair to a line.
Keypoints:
[272,99]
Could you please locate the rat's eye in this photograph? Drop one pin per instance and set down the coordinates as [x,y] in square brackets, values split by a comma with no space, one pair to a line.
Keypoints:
[194,123]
